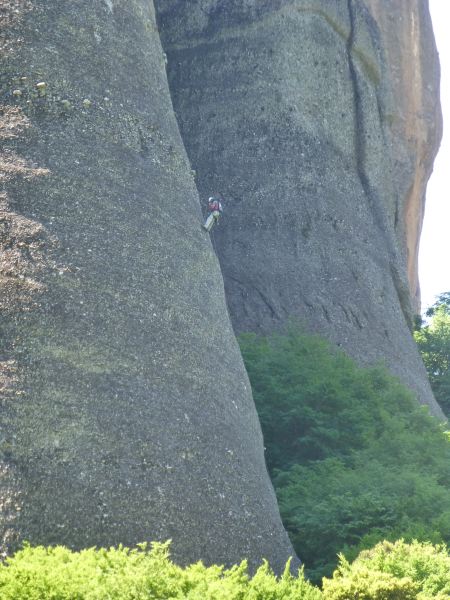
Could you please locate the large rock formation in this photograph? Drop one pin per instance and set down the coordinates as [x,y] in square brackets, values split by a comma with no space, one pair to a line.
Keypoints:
[296,111]
[126,413]
[415,121]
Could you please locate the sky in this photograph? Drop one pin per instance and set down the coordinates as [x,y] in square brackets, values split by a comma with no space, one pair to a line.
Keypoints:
[434,251]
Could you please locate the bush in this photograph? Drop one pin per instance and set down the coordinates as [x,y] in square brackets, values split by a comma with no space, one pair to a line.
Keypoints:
[396,571]
[354,459]
[390,571]
[367,584]
[123,574]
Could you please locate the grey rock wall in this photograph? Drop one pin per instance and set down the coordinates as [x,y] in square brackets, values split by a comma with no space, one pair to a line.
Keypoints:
[289,108]
[126,412]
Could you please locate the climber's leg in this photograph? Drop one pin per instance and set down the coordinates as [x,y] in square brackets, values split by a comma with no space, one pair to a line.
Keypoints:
[209,222]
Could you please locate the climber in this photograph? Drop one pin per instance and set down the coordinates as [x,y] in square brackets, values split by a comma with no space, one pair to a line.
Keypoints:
[214,211]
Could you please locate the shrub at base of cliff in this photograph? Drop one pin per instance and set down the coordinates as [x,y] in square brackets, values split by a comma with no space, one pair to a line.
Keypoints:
[123,574]
[353,458]
[393,572]
[387,572]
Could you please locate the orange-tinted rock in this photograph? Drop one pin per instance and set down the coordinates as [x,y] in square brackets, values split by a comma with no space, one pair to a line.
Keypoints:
[413,68]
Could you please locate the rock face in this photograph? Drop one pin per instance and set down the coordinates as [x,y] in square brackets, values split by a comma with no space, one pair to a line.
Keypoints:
[296,111]
[126,410]
[416,123]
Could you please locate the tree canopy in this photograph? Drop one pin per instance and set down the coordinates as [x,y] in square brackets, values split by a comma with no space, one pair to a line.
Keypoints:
[354,459]
[433,339]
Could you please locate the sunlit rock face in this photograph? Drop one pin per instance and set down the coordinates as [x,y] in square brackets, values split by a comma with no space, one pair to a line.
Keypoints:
[126,411]
[416,125]
[294,110]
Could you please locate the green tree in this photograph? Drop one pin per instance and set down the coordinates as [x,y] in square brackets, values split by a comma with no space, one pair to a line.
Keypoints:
[353,458]
[433,340]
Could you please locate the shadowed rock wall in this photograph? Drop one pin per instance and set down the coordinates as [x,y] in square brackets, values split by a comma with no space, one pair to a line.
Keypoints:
[126,412]
[290,108]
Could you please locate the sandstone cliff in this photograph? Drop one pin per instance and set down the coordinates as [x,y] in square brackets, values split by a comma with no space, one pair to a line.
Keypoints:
[318,121]
[126,412]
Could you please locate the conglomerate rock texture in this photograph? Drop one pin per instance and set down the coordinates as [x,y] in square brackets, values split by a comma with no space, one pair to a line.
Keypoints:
[318,121]
[126,412]
[416,123]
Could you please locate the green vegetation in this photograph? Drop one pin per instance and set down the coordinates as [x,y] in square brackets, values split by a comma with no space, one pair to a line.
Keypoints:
[393,572]
[433,340]
[353,458]
[122,574]
[387,572]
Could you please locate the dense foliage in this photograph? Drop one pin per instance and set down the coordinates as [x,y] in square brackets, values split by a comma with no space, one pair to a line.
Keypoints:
[123,574]
[353,458]
[433,339]
[387,572]
[393,572]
